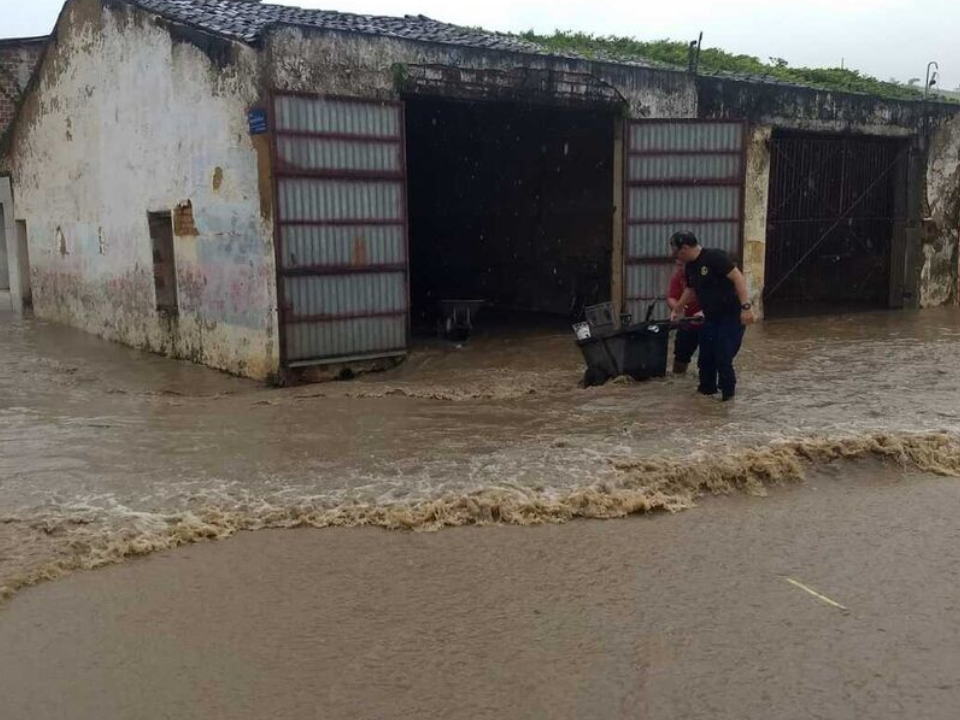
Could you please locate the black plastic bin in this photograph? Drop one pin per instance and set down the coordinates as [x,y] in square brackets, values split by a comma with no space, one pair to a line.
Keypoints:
[638,351]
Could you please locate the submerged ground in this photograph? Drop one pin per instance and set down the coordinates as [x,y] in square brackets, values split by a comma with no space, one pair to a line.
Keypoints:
[106,453]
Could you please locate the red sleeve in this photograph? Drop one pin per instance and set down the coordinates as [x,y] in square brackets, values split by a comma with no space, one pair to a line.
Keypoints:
[677,285]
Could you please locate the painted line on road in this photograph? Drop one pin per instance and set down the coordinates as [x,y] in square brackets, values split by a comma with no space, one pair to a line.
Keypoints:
[817,595]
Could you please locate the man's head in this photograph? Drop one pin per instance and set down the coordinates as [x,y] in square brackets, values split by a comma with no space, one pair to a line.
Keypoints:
[685,246]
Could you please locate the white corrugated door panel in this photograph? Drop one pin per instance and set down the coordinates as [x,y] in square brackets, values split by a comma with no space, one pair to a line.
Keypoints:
[680,175]
[342,238]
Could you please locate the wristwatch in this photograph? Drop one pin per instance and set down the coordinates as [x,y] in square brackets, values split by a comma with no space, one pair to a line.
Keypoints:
[746,306]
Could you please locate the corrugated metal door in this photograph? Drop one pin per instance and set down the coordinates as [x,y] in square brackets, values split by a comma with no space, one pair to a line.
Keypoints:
[680,175]
[342,228]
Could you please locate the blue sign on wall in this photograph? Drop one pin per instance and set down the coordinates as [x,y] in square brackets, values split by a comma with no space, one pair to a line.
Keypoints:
[257,120]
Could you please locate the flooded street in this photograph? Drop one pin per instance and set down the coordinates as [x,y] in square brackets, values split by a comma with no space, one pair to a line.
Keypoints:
[470,232]
[109,453]
[667,617]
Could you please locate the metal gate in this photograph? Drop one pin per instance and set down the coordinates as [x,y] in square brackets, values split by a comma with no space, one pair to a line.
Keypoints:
[340,175]
[680,175]
[832,222]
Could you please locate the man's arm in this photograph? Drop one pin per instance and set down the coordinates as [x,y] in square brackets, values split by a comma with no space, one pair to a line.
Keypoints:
[676,310]
[740,285]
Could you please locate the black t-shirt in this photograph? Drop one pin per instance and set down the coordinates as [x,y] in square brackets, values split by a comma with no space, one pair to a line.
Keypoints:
[707,275]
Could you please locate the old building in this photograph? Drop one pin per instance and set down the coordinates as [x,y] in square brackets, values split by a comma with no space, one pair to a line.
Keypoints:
[261,188]
[18,59]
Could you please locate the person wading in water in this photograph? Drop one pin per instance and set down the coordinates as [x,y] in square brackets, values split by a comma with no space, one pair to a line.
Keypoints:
[720,288]
[688,337]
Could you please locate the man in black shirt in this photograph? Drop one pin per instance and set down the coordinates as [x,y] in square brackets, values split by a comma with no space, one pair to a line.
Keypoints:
[721,290]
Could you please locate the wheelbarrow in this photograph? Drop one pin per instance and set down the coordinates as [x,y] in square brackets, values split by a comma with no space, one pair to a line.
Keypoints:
[456,318]
[637,350]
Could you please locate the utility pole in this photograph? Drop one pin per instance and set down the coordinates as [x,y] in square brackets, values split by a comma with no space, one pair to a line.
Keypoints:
[931,80]
[928,83]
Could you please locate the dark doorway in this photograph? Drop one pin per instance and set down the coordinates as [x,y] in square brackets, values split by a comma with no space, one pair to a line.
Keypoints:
[23,260]
[4,255]
[832,213]
[510,204]
[164,263]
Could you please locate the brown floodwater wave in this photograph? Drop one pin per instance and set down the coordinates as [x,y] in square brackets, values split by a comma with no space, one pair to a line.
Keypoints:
[108,453]
[78,541]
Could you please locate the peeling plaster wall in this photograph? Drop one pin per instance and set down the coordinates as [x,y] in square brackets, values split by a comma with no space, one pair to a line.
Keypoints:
[940,241]
[806,109]
[127,120]
[755,212]
[355,65]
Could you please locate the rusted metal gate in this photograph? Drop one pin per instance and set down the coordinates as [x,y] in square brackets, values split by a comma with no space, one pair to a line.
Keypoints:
[680,175]
[835,223]
[340,175]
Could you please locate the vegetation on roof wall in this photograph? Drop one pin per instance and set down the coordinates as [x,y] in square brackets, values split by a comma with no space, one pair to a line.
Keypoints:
[714,60]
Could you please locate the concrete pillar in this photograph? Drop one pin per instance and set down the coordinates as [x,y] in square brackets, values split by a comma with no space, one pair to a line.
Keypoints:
[4,272]
[935,192]
[755,212]
[18,265]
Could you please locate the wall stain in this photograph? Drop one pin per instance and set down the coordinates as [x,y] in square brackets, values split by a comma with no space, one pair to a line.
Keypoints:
[183,222]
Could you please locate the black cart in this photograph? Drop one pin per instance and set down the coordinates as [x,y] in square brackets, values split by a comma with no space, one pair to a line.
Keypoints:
[612,349]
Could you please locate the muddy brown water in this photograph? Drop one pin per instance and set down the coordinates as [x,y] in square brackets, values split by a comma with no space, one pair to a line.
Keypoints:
[686,616]
[109,452]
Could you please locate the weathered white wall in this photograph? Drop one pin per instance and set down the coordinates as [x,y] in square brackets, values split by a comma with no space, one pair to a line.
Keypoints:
[357,65]
[805,109]
[127,121]
[940,243]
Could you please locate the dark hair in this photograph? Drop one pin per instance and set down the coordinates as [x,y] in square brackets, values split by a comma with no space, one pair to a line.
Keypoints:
[684,237]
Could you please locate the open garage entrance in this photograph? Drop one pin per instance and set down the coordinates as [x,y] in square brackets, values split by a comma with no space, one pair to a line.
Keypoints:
[511,204]
[835,233]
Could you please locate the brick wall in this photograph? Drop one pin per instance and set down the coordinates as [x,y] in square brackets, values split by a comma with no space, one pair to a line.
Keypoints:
[18,58]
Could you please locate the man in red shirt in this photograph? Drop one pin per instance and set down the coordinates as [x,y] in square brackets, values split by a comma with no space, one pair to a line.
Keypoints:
[688,337]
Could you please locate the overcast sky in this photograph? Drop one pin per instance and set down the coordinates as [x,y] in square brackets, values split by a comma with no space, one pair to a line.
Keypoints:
[885,38]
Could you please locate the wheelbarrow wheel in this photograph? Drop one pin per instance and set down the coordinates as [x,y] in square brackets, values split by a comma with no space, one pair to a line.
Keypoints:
[594,376]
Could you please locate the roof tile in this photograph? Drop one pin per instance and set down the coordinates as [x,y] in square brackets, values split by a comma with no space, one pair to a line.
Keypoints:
[248,21]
